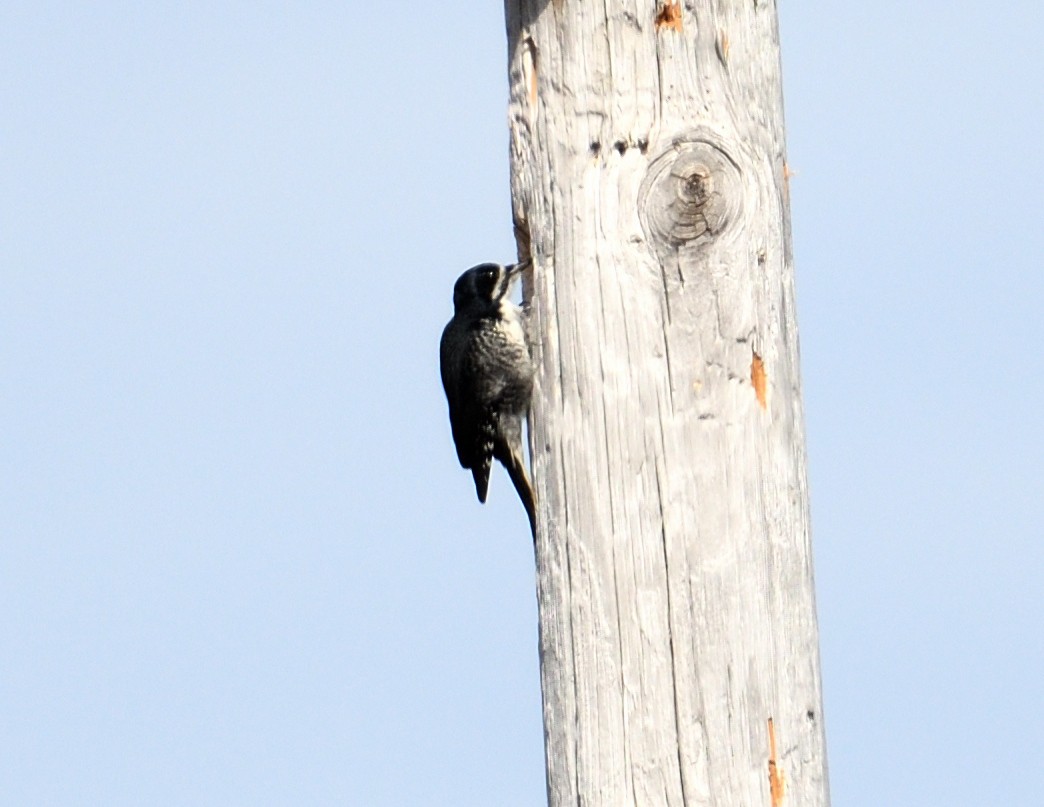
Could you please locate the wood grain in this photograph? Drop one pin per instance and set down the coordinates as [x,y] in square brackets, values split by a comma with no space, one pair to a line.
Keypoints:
[674,564]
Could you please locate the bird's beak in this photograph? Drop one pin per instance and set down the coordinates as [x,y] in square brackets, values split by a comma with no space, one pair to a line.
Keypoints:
[512,274]
[516,269]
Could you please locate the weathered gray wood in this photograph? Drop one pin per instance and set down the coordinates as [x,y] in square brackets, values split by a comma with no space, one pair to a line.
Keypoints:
[679,649]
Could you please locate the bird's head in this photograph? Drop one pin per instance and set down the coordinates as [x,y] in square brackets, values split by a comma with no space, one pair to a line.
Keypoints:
[484,286]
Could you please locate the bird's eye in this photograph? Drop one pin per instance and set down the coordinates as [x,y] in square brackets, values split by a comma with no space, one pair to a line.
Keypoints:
[484,280]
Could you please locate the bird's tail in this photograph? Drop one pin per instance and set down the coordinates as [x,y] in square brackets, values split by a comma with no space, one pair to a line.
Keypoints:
[516,468]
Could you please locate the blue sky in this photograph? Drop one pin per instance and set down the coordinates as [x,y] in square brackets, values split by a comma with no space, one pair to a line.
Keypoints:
[238,561]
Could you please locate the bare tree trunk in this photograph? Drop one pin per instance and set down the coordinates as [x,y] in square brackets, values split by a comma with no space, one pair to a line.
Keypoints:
[678,639]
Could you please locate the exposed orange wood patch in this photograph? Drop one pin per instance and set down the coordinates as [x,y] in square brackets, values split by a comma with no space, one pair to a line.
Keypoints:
[670,16]
[775,774]
[757,378]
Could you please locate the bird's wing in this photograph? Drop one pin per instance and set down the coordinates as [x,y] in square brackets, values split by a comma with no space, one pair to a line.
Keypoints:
[473,430]
[480,473]
[459,422]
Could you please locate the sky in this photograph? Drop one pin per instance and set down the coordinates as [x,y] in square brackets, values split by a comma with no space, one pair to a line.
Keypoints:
[239,564]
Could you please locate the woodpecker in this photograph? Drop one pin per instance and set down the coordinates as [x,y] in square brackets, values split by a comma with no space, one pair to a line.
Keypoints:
[487,373]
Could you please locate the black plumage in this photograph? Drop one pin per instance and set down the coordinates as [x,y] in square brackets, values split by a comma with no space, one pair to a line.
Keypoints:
[487,373]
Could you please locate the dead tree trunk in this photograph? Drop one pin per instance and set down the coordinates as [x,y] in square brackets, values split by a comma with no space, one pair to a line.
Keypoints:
[678,639]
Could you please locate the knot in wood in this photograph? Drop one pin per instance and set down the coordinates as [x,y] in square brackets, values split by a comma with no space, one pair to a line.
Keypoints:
[694,188]
[691,193]
[696,182]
